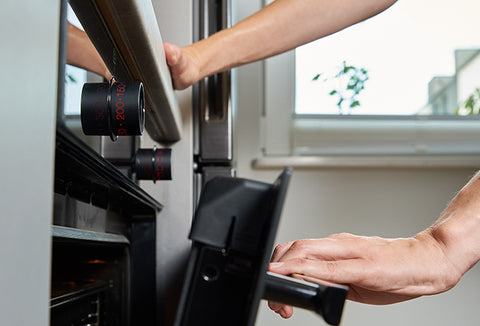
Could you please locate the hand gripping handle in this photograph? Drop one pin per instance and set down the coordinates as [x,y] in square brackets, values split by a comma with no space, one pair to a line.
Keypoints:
[327,301]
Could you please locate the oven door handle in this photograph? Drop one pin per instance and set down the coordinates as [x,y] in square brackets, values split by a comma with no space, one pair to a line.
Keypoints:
[327,301]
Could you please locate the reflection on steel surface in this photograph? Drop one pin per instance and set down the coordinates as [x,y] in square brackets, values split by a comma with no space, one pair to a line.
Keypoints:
[126,34]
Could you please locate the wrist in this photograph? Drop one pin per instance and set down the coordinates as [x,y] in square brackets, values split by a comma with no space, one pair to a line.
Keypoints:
[210,55]
[446,272]
[457,231]
[443,271]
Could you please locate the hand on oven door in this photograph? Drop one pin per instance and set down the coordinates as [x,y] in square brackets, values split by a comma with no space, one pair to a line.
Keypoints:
[183,64]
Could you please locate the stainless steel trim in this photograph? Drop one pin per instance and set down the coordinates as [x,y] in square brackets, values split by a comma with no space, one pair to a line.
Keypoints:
[215,108]
[136,53]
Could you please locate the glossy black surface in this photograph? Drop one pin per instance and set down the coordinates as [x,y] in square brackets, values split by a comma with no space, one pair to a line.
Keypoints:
[327,301]
[233,233]
[84,175]
[113,109]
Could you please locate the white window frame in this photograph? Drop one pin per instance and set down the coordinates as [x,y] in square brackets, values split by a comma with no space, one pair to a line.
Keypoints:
[429,141]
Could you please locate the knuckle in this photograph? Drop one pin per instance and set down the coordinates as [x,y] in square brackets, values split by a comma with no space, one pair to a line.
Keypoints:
[281,246]
[300,245]
[300,262]
[331,267]
[341,235]
[280,250]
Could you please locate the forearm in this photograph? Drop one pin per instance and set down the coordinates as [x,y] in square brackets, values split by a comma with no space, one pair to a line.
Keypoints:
[81,52]
[383,271]
[279,27]
[458,229]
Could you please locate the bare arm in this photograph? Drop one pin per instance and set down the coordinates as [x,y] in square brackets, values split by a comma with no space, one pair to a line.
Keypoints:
[281,26]
[81,52]
[457,231]
[383,271]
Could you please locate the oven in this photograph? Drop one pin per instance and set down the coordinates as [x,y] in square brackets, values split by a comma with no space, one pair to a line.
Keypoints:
[104,228]
[114,226]
[212,102]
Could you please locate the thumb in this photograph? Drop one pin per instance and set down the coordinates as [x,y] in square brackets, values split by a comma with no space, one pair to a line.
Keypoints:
[171,53]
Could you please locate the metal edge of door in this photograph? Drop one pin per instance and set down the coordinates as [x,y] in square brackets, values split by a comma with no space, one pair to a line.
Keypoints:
[127,37]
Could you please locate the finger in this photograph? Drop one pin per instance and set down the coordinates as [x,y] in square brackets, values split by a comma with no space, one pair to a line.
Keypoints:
[275,306]
[280,250]
[286,312]
[312,279]
[342,271]
[183,68]
[281,309]
[171,53]
[323,249]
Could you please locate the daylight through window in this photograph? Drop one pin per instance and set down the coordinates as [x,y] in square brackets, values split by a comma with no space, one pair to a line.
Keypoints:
[416,58]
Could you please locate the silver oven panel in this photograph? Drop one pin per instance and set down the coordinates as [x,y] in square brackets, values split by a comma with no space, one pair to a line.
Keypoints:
[212,102]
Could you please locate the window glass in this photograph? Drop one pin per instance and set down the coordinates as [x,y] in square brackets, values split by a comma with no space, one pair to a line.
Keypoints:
[74,80]
[416,58]
[74,77]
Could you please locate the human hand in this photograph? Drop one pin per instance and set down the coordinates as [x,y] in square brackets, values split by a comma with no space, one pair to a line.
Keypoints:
[377,270]
[182,64]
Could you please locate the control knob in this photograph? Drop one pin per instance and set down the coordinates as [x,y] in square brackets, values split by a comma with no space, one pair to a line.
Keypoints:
[113,109]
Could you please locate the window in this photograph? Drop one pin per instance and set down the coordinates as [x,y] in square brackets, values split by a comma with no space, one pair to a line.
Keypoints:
[75,77]
[423,65]
[74,80]
[420,58]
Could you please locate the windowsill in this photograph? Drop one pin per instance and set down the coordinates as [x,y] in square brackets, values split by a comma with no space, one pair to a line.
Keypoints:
[377,161]
[417,140]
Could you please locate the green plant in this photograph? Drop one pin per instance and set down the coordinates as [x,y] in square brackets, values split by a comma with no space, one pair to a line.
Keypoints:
[471,105]
[70,79]
[349,82]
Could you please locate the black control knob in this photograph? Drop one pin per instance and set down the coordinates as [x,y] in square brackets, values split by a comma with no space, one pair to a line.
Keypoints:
[153,164]
[113,109]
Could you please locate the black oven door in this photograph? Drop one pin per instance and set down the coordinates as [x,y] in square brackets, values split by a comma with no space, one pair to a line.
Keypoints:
[233,234]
